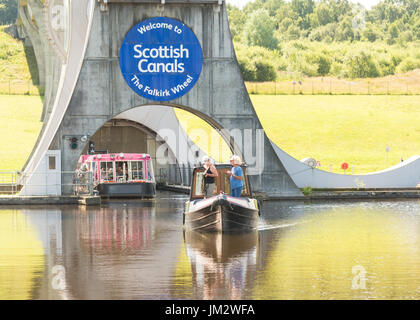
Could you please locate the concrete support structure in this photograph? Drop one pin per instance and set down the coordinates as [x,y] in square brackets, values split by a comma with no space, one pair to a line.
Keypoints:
[92,91]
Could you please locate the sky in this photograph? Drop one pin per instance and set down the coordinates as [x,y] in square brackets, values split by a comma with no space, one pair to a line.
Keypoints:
[366,3]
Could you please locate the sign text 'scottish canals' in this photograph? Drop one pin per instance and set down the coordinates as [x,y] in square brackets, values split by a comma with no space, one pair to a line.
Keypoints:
[161,59]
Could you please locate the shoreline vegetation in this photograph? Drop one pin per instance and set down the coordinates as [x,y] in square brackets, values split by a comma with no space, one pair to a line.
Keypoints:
[274,39]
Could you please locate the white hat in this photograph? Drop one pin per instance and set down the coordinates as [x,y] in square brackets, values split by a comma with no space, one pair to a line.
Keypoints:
[236,159]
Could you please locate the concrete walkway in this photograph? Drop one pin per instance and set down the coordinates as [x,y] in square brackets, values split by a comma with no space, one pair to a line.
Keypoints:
[56,200]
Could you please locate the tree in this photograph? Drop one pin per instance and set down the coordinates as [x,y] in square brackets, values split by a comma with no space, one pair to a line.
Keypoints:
[259,30]
[324,13]
[236,21]
[394,31]
[371,33]
[8,11]
[303,9]
[345,30]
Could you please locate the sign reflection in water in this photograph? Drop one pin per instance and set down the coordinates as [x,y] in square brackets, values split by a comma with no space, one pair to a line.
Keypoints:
[137,250]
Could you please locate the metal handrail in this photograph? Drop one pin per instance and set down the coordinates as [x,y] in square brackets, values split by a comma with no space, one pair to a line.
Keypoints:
[16,179]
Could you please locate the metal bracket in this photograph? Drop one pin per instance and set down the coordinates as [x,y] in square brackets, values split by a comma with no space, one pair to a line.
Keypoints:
[161,7]
[103,5]
[217,7]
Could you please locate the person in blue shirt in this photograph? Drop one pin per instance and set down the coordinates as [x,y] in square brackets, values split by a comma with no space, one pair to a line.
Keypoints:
[236,176]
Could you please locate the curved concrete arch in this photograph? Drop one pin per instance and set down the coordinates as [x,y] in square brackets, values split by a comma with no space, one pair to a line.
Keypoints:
[158,116]
[149,119]
[69,72]
[403,175]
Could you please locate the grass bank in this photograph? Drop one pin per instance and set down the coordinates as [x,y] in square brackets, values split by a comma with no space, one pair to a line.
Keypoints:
[19,129]
[337,129]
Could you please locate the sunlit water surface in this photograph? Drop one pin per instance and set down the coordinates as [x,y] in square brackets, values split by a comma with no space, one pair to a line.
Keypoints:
[138,250]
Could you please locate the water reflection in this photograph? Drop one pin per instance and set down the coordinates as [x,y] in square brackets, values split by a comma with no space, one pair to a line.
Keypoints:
[119,252]
[315,260]
[221,264]
[21,256]
[138,250]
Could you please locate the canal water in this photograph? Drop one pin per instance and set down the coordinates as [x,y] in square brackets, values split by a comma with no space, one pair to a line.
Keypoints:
[138,250]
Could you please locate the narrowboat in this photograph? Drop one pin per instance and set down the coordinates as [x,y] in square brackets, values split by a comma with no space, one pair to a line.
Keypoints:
[121,174]
[220,212]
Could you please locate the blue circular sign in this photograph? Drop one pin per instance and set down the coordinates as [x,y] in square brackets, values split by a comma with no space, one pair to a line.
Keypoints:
[161,59]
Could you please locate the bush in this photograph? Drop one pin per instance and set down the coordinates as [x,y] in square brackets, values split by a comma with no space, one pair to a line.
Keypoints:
[323,33]
[408,64]
[362,65]
[259,64]
[387,67]
[248,69]
[322,62]
[371,33]
[265,71]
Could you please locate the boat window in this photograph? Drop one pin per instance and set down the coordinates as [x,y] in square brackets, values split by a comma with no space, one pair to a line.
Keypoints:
[51,163]
[199,184]
[149,169]
[94,171]
[121,171]
[107,171]
[137,172]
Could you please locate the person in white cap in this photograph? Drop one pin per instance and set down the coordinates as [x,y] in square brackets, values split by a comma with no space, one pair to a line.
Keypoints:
[236,176]
[210,173]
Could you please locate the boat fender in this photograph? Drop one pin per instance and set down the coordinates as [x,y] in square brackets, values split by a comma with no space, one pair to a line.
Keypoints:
[230,205]
[259,206]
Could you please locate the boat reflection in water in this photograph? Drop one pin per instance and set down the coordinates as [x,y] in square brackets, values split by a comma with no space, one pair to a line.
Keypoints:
[222,264]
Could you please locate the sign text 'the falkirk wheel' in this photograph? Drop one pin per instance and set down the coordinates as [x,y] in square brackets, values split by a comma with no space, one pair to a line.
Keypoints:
[161,59]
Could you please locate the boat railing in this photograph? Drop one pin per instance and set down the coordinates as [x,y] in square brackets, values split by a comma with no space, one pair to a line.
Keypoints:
[175,174]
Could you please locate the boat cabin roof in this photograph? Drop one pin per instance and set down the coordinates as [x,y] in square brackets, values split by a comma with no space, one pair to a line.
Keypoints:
[114,157]
[222,181]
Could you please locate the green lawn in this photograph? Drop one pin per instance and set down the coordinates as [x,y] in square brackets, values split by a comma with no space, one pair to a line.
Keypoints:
[334,129]
[19,129]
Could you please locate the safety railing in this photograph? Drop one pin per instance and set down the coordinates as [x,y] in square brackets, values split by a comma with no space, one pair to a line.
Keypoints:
[330,86]
[46,183]
[175,175]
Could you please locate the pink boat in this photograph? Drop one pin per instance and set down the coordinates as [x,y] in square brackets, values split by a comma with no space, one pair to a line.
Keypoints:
[121,174]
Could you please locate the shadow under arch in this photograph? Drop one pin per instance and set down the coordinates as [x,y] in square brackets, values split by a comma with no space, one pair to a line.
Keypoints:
[152,129]
[224,133]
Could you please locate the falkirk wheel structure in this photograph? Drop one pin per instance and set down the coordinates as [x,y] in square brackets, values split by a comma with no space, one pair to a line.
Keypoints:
[115,70]
[88,53]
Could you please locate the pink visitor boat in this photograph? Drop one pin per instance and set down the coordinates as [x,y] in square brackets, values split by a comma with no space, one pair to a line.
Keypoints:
[121,174]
